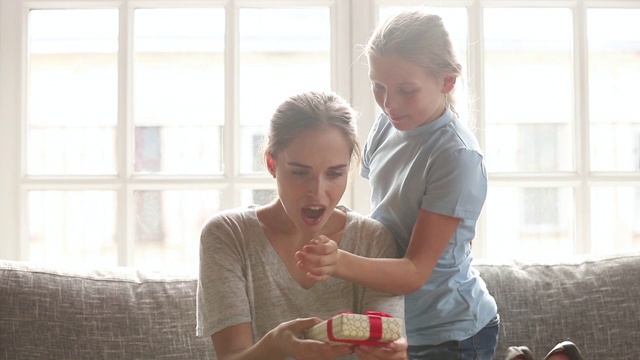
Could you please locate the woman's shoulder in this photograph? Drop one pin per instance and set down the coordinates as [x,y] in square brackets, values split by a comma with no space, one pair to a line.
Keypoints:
[352,215]
[238,217]
[367,237]
[362,222]
[230,230]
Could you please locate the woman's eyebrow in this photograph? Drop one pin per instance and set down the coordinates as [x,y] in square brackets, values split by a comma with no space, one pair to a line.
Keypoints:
[293,163]
[334,167]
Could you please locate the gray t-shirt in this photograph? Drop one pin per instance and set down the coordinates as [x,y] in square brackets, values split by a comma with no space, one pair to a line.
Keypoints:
[242,279]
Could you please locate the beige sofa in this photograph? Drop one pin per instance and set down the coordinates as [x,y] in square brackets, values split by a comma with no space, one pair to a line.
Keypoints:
[55,313]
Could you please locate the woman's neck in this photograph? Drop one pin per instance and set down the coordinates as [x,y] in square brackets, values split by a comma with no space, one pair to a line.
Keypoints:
[275,221]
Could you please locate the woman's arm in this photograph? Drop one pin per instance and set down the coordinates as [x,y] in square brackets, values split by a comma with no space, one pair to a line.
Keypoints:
[236,343]
[431,234]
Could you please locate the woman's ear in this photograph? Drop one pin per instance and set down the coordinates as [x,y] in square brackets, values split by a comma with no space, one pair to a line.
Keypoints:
[449,83]
[271,165]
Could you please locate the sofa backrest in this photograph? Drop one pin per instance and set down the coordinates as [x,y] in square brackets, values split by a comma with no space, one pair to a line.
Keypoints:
[592,301]
[50,313]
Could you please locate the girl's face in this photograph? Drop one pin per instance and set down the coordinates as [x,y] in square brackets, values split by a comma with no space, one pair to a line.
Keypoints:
[408,94]
[311,175]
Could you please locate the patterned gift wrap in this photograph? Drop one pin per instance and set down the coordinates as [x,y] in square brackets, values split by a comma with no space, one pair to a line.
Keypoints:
[370,328]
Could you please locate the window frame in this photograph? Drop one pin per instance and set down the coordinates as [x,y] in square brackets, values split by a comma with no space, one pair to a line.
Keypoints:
[352,21]
[15,184]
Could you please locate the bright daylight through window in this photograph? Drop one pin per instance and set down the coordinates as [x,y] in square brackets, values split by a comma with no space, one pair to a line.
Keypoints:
[138,122]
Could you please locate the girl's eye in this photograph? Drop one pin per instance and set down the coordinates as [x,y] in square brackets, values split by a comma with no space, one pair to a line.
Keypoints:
[407,92]
[377,87]
[299,173]
[335,174]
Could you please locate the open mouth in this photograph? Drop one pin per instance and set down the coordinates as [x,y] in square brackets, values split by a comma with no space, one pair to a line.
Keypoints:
[313,213]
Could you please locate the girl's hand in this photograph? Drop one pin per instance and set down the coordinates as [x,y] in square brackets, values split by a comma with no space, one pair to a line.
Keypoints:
[394,350]
[289,338]
[319,259]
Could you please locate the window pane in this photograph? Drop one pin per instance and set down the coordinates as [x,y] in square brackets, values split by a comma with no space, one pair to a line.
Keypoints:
[534,222]
[257,196]
[72,92]
[179,90]
[615,219]
[614,88]
[168,225]
[528,90]
[73,227]
[276,62]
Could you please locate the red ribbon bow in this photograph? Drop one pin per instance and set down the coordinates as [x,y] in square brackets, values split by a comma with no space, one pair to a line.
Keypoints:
[375,329]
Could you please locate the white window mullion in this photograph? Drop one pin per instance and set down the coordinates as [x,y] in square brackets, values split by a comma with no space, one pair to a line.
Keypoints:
[475,84]
[230,144]
[475,76]
[343,57]
[582,211]
[341,54]
[363,19]
[11,138]
[125,217]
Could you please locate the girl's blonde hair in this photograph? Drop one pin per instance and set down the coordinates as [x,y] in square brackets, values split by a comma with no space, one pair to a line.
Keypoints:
[420,38]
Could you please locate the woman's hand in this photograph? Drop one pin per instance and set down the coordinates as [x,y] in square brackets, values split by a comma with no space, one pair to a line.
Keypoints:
[394,350]
[289,338]
[319,259]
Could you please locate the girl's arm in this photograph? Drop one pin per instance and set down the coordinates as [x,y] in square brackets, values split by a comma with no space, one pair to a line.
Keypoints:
[236,343]
[431,234]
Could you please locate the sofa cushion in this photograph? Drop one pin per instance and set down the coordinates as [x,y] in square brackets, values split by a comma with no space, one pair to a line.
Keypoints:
[117,313]
[592,301]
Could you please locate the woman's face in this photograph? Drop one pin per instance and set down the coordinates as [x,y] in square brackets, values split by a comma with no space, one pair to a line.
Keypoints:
[311,175]
[408,94]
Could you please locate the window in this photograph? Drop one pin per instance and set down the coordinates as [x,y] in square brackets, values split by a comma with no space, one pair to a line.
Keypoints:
[135,119]
[547,123]
[124,126]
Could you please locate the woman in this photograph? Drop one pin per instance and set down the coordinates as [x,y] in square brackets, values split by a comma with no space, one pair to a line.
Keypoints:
[252,299]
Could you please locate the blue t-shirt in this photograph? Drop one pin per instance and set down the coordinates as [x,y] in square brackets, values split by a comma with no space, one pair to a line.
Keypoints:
[438,167]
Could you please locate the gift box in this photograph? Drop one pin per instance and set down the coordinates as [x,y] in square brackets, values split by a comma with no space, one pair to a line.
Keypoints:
[370,328]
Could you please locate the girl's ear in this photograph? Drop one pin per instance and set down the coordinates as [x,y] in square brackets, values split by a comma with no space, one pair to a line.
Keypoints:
[449,83]
[271,165]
